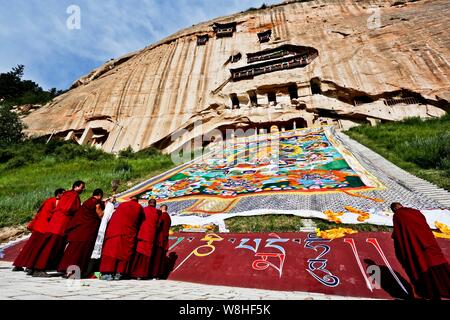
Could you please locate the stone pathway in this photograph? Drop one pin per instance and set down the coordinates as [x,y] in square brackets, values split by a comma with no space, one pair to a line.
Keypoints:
[18,286]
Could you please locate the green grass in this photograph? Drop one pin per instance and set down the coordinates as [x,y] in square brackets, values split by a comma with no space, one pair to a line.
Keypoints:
[417,146]
[26,182]
[363,227]
[290,223]
[266,223]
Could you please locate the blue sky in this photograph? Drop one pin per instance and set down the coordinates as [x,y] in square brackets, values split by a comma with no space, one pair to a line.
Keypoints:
[34,32]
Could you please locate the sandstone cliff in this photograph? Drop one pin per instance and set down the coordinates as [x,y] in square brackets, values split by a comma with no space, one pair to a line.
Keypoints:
[293,64]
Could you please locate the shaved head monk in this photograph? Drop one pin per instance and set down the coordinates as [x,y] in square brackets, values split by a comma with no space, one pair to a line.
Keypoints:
[81,234]
[120,240]
[38,227]
[53,246]
[140,268]
[161,245]
[419,253]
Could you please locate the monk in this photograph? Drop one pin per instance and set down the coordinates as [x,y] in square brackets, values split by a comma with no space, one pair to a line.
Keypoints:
[54,243]
[161,244]
[38,227]
[94,263]
[419,253]
[140,268]
[120,240]
[81,234]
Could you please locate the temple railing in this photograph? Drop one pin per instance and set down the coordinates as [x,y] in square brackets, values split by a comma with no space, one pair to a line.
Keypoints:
[281,64]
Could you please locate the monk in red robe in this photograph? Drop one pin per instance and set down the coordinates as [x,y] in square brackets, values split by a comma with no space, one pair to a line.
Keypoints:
[81,235]
[38,227]
[161,244]
[419,253]
[120,240]
[140,268]
[54,243]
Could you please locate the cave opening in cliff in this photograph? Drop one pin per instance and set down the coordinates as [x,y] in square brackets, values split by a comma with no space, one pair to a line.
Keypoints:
[264,36]
[315,86]
[234,101]
[293,91]
[236,57]
[202,40]
[359,100]
[253,98]
[272,98]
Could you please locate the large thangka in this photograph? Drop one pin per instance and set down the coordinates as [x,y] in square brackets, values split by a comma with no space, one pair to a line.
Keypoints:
[307,172]
[301,161]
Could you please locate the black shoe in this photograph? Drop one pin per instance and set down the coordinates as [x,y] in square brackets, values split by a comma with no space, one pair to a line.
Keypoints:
[17,269]
[40,274]
[29,272]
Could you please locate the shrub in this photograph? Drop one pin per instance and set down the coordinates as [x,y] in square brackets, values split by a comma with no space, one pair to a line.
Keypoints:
[71,151]
[149,152]
[16,162]
[127,153]
[67,152]
[123,166]
[427,152]
[10,127]
[5,155]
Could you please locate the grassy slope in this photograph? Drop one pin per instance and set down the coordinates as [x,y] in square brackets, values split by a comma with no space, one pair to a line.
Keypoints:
[23,189]
[419,147]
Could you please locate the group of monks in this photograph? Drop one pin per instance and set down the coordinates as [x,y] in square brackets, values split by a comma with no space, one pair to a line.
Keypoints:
[132,242]
[127,241]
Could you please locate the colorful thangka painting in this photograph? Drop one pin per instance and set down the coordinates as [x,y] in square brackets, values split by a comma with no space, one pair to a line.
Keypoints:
[307,160]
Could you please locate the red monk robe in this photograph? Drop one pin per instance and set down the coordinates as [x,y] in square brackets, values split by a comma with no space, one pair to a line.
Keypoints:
[418,252]
[161,246]
[81,235]
[53,246]
[120,238]
[146,237]
[38,227]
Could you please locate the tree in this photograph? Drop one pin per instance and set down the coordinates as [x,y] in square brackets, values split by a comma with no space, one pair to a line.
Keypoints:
[11,127]
[16,91]
[17,72]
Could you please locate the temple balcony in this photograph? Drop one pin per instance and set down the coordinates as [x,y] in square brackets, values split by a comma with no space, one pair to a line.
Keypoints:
[279,52]
[224,30]
[251,71]
[281,58]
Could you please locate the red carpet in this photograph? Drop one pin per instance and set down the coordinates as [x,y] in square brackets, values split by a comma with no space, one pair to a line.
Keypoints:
[289,261]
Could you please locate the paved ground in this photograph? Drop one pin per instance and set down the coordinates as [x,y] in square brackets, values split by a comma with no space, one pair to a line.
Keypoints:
[18,286]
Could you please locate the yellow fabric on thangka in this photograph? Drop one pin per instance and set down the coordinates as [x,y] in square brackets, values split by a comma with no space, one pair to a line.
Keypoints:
[363,216]
[334,233]
[208,226]
[444,230]
[333,216]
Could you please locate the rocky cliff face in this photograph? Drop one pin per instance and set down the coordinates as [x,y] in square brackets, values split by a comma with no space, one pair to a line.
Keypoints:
[291,65]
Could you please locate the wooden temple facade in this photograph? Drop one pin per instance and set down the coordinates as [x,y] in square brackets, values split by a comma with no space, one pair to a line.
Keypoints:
[281,58]
[224,29]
